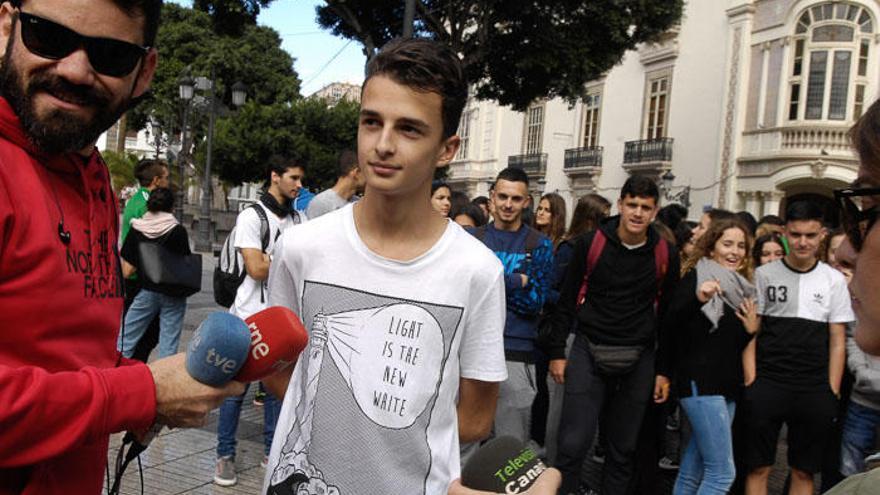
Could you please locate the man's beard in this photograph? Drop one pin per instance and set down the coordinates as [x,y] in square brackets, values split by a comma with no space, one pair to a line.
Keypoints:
[58,131]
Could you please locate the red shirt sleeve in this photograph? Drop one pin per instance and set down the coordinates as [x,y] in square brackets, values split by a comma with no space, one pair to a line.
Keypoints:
[45,414]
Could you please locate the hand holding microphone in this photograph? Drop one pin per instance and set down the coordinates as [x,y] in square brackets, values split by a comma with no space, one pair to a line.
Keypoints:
[225,348]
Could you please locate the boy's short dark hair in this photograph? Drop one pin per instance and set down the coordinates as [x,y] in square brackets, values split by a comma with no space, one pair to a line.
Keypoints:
[749,220]
[471,210]
[512,174]
[640,186]
[280,164]
[481,201]
[161,199]
[771,220]
[348,161]
[720,214]
[803,210]
[148,169]
[427,66]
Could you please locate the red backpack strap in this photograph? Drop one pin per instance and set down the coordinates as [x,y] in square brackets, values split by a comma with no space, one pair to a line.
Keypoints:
[661,264]
[593,254]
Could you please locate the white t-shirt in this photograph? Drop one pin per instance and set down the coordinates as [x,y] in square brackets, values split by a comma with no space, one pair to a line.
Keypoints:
[371,405]
[251,295]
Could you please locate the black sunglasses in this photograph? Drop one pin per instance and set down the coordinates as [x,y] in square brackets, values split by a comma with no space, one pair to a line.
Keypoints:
[856,221]
[51,40]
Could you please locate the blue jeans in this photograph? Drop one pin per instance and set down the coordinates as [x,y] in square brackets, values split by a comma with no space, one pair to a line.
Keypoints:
[142,311]
[227,425]
[859,429]
[707,464]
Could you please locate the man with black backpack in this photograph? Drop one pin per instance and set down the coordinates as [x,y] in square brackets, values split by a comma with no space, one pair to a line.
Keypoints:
[616,286]
[243,271]
[527,256]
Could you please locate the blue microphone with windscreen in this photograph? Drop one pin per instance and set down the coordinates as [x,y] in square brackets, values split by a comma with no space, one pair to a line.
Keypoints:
[218,349]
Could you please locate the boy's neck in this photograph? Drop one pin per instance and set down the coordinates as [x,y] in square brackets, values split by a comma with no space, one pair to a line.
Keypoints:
[398,227]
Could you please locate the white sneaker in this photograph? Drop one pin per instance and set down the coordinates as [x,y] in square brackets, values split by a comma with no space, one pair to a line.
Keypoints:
[224,473]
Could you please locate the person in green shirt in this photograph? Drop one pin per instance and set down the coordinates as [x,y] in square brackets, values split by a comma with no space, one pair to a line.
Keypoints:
[150,174]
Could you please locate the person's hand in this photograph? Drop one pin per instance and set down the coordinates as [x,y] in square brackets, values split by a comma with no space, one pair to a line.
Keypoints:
[557,370]
[835,389]
[707,290]
[180,399]
[547,484]
[748,315]
[749,377]
[661,389]
[525,279]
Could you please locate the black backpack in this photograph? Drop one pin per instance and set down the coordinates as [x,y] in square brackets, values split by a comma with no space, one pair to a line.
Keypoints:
[229,271]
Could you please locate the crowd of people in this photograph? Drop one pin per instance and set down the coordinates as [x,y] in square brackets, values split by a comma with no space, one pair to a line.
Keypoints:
[752,299]
[434,320]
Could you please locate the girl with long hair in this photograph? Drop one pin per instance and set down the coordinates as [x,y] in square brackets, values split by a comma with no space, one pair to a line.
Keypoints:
[709,323]
[590,210]
[550,217]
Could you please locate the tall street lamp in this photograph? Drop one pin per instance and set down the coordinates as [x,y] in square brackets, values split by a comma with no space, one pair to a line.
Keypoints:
[156,129]
[187,89]
[239,95]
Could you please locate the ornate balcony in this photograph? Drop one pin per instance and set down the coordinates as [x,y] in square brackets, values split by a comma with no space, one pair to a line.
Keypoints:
[582,166]
[651,156]
[766,152]
[583,158]
[534,164]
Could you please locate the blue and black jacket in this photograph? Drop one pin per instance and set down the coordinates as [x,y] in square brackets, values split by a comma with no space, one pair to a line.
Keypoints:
[525,251]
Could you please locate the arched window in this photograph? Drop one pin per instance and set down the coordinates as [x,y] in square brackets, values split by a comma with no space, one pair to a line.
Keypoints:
[829,66]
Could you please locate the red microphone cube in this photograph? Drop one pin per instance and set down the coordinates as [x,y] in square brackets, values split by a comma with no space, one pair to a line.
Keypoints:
[277,338]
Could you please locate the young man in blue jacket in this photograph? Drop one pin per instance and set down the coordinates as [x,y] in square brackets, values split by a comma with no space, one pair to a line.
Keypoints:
[527,256]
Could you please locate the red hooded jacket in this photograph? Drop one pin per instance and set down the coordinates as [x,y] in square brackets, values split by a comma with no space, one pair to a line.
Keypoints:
[61,391]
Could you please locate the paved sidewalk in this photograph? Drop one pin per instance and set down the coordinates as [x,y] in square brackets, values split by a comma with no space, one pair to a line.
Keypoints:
[182,461]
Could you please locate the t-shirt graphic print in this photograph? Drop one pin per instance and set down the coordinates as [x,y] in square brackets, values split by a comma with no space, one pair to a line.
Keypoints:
[373,365]
[371,404]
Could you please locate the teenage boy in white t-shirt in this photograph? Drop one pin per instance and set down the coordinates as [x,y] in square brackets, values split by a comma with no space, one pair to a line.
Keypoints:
[283,182]
[404,308]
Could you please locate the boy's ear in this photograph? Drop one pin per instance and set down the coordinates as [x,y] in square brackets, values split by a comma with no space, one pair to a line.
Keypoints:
[448,150]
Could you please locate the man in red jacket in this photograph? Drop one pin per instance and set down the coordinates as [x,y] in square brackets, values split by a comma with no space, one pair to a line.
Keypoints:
[69,69]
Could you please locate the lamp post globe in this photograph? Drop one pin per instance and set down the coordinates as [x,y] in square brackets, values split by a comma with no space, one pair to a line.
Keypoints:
[239,93]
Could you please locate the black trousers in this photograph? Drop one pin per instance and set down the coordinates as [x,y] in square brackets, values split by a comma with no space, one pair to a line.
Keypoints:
[623,398]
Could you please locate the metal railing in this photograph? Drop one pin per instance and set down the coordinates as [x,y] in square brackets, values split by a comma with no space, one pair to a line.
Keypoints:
[648,150]
[533,163]
[583,157]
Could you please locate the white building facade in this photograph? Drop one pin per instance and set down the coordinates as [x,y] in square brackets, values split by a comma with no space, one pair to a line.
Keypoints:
[747,102]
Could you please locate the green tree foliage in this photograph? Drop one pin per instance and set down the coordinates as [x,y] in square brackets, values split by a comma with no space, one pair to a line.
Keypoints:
[121,166]
[515,51]
[229,17]
[186,39]
[307,129]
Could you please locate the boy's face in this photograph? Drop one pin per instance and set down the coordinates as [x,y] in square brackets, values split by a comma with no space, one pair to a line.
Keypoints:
[289,183]
[804,238]
[510,199]
[400,138]
[636,213]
